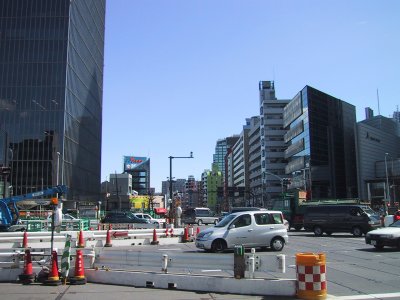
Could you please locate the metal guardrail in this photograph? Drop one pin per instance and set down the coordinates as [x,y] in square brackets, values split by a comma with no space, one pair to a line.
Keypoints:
[186,262]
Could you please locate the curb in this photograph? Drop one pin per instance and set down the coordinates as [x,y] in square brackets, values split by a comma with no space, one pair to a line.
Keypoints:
[186,282]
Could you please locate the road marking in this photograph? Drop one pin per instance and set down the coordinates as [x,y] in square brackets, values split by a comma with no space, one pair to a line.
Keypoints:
[211,270]
[367,296]
[170,249]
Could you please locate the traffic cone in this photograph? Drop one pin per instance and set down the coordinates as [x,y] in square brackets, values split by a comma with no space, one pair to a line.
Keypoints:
[197,231]
[185,237]
[108,239]
[166,232]
[27,276]
[81,243]
[79,277]
[154,242]
[25,240]
[53,278]
[171,232]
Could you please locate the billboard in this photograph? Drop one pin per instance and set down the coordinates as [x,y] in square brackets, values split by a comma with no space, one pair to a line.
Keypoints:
[133,162]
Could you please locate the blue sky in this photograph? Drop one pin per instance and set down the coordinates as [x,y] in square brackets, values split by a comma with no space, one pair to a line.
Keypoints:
[179,75]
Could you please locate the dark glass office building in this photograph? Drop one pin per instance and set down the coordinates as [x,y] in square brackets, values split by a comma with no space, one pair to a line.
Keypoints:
[51,89]
[321,150]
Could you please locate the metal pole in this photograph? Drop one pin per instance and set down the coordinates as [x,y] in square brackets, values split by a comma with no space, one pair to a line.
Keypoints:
[58,167]
[387,179]
[170,185]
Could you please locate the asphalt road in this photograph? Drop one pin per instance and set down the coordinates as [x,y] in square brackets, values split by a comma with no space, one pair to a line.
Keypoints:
[354,271]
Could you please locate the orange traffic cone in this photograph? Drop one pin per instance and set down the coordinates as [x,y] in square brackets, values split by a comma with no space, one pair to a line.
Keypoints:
[171,232]
[81,243]
[79,277]
[154,242]
[166,232]
[27,276]
[25,240]
[53,278]
[185,237]
[108,239]
[197,231]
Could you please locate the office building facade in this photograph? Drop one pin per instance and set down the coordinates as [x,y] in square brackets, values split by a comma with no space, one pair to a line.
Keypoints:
[321,151]
[139,168]
[378,164]
[272,143]
[51,89]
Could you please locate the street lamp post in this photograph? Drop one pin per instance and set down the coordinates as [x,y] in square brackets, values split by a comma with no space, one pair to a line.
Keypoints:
[170,177]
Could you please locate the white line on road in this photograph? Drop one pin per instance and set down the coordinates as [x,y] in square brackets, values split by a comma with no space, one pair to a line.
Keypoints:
[170,249]
[211,270]
[367,296]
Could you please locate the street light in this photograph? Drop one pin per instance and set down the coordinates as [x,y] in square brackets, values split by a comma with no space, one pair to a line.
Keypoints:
[170,176]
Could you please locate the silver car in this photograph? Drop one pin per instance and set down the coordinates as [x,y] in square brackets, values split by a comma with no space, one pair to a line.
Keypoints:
[248,228]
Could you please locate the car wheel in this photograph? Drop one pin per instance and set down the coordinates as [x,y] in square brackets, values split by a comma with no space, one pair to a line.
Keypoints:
[200,222]
[297,228]
[356,231]
[218,246]
[378,247]
[328,233]
[277,244]
[318,231]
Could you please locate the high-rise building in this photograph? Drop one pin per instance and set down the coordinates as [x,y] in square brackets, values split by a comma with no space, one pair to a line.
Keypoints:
[139,168]
[51,90]
[221,149]
[378,164]
[272,143]
[321,153]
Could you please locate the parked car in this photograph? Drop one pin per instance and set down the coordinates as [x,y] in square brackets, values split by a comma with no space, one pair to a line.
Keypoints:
[123,217]
[329,218]
[387,236]
[159,222]
[248,228]
[199,216]
[66,217]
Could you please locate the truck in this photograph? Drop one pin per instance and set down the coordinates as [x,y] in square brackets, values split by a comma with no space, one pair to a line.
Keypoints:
[293,206]
[9,212]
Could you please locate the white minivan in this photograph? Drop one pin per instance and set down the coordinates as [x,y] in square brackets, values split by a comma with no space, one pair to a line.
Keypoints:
[248,228]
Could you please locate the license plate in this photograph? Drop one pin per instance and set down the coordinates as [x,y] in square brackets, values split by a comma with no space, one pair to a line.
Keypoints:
[200,245]
[373,242]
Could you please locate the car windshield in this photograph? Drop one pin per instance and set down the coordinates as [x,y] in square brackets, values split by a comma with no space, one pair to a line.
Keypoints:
[226,220]
[369,211]
[395,224]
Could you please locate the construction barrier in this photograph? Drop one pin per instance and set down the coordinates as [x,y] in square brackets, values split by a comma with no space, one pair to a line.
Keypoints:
[311,276]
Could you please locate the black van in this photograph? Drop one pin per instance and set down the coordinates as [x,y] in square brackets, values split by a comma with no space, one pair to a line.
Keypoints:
[356,219]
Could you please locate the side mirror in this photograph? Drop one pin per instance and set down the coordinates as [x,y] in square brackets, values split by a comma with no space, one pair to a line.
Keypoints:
[232,226]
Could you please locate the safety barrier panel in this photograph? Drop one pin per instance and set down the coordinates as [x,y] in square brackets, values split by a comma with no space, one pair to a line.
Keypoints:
[45,225]
[9,240]
[185,262]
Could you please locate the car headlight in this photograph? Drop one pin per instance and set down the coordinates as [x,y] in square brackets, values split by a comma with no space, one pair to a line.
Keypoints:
[205,235]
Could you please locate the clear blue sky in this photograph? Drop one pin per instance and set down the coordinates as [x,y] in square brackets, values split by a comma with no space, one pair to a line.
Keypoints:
[179,75]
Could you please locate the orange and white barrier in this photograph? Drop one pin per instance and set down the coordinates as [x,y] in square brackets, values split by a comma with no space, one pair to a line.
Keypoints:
[311,276]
